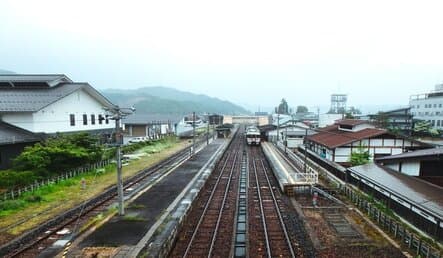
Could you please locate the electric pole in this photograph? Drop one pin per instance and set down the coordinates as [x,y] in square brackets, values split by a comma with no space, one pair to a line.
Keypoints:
[193,133]
[117,114]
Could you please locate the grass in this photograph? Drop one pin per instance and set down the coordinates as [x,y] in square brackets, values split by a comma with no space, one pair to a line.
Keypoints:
[57,198]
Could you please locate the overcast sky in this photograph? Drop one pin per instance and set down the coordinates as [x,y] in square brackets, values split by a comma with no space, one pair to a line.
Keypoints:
[377,52]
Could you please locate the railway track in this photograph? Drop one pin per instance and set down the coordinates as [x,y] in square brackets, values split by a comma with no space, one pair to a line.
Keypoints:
[240,212]
[266,221]
[210,227]
[33,242]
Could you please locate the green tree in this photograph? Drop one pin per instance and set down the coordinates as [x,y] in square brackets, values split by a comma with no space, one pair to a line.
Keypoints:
[59,154]
[302,109]
[360,156]
[349,115]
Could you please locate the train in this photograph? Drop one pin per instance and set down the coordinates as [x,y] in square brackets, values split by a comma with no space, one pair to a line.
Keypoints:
[253,136]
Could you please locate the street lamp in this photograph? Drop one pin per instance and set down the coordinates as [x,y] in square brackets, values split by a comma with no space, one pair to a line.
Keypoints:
[117,113]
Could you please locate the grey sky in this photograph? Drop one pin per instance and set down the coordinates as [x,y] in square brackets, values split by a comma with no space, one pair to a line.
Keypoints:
[378,52]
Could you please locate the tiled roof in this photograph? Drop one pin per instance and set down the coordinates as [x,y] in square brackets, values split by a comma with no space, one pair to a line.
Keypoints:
[331,137]
[32,100]
[414,154]
[32,77]
[10,134]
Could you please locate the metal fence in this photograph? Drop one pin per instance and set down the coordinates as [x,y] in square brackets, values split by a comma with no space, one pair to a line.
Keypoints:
[390,225]
[13,194]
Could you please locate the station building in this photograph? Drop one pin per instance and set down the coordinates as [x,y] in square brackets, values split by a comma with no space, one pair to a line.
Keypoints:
[336,142]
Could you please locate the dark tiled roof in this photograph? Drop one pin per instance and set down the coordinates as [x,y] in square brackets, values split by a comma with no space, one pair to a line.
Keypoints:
[10,134]
[31,100]
[414,154]
[331,137]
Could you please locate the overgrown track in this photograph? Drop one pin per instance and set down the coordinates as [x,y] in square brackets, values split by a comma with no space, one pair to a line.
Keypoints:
[28,243]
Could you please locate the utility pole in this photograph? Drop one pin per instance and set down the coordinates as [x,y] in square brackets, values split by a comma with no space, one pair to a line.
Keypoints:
[117,114]
[278,125]
[193,133]
[306,146]
[207,132]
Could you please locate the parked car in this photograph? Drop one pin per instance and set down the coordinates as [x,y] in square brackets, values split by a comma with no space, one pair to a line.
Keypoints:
[138,139]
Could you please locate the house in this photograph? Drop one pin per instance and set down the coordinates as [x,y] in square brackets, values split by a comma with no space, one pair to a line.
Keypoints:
[338,141]
[292,133]
[13,140]
[397,119]
[52,104]
[425,164]
[150,126]
[35,106]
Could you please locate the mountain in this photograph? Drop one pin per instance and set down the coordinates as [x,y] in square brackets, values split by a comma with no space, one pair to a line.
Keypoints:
[6,72]
[163,100]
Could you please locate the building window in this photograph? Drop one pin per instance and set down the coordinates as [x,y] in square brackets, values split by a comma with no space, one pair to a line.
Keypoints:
[438,122]
[433,123]
[107,120]
[72,119]
[85,119]
[92,119]
[435,105]
[439,105]
[426,113]
[418,106]
[100,119]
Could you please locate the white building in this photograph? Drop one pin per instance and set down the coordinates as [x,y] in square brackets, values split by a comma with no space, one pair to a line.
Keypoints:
[429,107]
[52,104]
[338,141]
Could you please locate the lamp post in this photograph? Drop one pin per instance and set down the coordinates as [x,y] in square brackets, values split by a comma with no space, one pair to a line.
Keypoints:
[117,114]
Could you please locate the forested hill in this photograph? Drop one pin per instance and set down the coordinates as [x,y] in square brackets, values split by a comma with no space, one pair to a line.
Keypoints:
[163,100]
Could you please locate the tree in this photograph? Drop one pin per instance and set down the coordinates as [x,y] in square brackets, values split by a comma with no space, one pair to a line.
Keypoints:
[302,109]
[354,111]
[381,120]
[349,115]
[283,108]
[360,157]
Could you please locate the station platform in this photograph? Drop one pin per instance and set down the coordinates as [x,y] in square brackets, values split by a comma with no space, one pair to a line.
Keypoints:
[125,232]
[289,177]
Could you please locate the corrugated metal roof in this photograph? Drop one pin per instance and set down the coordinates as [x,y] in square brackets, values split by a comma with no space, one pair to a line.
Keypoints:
[32,100]
[421,193]
[331,137]
[10,134]
[414,154]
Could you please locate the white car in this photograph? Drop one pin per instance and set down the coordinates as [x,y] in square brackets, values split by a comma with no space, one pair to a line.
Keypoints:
[137,139]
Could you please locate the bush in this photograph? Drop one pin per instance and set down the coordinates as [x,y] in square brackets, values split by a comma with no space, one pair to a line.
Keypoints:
[10,179]
[11,204]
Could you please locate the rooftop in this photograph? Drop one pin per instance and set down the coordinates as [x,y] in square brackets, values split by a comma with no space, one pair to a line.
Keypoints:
[332,137]
[351,122]
[437,152]
[11,134]
[422,194]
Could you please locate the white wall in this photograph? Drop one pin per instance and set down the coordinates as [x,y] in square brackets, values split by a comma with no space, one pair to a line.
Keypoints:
[55,117]
[22,120]
[411,168]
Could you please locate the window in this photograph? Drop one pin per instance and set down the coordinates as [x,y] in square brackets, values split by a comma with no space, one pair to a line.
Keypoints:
[439,105]
[418,106]
[92,119]
[85,119]
[72,119]
[438,122]
[107,120]
[100,119]
[435,105]
[433,123]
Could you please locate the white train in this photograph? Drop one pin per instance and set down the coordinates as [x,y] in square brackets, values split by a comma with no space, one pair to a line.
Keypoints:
[253,136]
